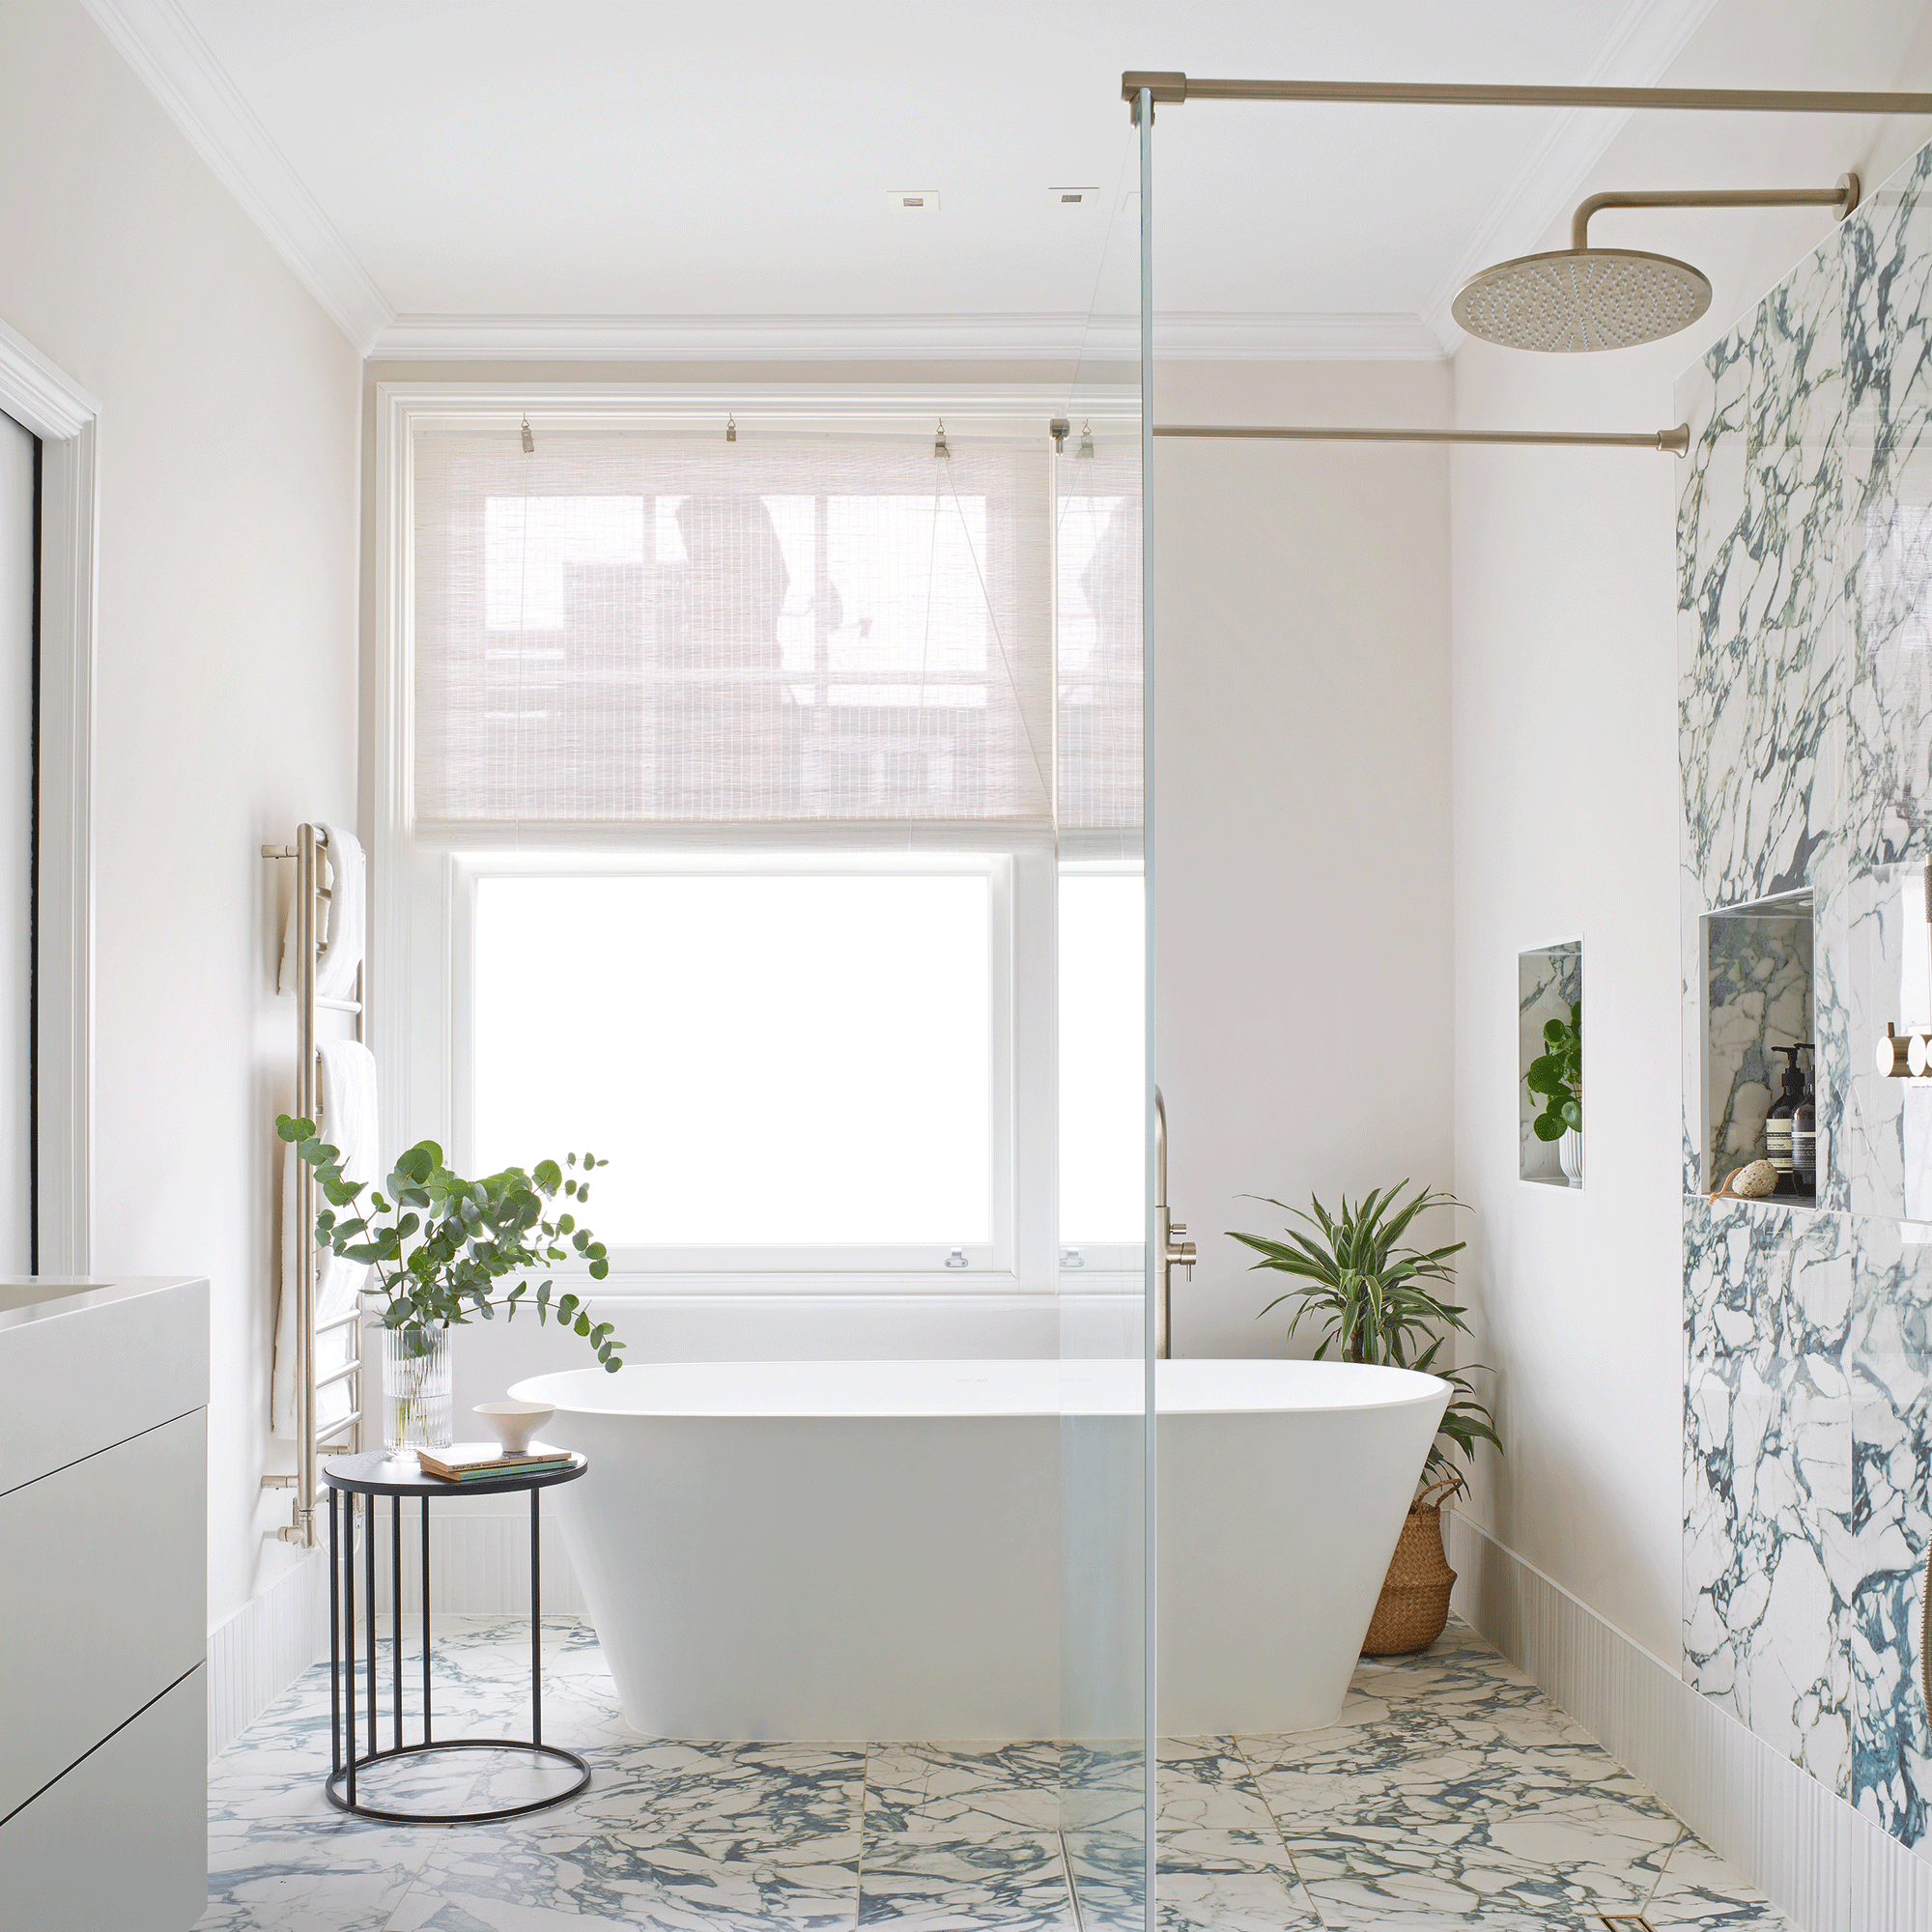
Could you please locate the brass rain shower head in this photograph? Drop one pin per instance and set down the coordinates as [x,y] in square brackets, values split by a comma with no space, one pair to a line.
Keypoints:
[1579,300]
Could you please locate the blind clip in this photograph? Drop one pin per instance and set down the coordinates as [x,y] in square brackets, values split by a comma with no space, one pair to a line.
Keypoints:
[529,442]
[939,448]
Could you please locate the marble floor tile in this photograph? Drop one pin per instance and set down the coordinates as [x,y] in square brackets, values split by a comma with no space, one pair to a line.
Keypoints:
[925,1882]
[510,1880]
[328,1874]
[771,1796]
[1227,1894]
[1450,1792]
[960,1790]
[1700,1892]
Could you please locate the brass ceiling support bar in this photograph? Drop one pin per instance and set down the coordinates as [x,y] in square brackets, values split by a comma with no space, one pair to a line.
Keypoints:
[1672,441]
[1844,198]
[1179,87]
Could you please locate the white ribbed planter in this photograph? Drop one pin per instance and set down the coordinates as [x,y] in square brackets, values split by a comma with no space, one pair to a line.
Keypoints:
[1569,1157]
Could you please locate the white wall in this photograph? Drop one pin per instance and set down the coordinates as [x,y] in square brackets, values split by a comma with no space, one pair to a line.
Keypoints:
[1565,805]
[225,682]
[1302,843]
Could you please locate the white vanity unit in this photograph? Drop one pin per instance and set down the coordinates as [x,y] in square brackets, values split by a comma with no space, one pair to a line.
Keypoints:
[103,1629]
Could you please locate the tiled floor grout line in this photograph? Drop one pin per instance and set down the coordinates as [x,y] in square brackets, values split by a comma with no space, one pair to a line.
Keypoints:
[1663,1864]
[1247,1765]
[859,1857]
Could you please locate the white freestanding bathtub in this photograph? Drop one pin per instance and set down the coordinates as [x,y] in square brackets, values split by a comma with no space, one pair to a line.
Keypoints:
[828,1551]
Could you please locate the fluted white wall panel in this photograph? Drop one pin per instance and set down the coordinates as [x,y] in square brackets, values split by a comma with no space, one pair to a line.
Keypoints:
[1828,1868]
[264,1647]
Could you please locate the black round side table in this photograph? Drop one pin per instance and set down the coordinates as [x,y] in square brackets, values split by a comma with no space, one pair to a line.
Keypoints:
[395,1474]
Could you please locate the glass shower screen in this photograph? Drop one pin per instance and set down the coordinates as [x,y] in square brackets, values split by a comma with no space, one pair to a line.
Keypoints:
[1105,1092]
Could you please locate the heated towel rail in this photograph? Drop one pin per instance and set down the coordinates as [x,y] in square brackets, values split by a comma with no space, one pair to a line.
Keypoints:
[311,893]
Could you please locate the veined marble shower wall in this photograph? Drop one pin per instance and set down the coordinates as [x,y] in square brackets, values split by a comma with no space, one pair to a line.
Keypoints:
[1804,555]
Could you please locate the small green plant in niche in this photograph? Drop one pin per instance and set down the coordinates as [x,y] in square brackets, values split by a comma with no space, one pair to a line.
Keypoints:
[1556,1077]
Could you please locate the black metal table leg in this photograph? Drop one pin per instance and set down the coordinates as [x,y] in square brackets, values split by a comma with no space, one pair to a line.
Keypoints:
[369,1611]
[536,1628]
[335,1639]
[425,1591]
[349,1630]
[396,1610]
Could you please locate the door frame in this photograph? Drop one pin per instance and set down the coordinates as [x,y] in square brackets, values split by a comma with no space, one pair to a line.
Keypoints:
[44,399]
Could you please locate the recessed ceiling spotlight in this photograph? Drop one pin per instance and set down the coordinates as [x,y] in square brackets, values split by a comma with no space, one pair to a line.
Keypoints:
[912,200]
[1072,197]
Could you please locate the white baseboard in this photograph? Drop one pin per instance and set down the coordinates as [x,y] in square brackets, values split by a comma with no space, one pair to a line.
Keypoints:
[264,1647]
[1826,1867]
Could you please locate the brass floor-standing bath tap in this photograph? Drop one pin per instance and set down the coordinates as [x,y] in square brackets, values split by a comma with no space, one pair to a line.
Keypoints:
[1168,1253]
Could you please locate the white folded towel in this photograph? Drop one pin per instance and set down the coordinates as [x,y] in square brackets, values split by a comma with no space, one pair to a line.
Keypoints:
[349,1124]
[343,921]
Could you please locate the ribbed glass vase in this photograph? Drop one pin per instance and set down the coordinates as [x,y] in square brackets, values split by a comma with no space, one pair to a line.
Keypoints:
[419,1411]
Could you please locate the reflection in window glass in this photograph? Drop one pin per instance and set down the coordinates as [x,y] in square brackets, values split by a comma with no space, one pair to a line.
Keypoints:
[1102,1058]
[528,540]
[763,1059]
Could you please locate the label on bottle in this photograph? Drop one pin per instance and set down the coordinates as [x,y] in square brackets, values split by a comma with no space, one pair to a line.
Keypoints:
[1778,1142]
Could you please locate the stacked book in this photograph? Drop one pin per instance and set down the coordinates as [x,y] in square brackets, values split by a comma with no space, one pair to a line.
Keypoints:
[485,1462]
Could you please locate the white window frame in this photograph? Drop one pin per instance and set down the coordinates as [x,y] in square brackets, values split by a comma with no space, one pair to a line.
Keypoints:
[425,877]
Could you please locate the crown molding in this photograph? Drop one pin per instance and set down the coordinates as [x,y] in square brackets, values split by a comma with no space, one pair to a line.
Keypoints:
[1638,51]
[1067,337]
[162,46]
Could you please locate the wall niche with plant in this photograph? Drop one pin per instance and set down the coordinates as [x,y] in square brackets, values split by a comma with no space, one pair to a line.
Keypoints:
[1549,1070]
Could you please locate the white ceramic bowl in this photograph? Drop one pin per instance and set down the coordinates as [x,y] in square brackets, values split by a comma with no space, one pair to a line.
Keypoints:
[514,1423]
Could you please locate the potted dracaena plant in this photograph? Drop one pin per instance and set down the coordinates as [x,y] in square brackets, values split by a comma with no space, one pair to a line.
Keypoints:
[443,1251]
[1375,1301]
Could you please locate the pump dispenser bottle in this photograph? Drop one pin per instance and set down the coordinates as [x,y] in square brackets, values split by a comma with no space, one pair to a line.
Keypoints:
[1778,1124]
[1804,1135]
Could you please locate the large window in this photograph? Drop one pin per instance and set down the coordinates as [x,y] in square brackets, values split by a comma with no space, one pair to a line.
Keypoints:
[779,1060]
[766,815]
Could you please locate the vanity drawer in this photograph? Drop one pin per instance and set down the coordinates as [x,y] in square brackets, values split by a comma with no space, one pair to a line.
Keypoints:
[92,1371]
[120,1845]
[102,1595]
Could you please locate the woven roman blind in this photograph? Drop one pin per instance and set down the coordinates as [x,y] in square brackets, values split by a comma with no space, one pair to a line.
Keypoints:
[668,628]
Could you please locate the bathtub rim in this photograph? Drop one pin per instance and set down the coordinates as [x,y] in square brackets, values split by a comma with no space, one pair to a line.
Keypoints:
[1404,1388]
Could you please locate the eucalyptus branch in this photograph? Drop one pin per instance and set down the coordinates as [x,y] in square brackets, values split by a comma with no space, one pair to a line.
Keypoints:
[443,1249]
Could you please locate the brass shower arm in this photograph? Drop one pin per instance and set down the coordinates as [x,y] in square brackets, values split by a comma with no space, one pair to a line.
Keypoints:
[1168,88]
[1844,198]
[1672,441]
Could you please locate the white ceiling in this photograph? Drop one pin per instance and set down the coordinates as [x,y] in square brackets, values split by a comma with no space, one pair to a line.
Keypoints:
[586,177]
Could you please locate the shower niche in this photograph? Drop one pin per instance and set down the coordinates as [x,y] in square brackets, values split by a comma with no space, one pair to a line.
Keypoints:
[1757,1028]
[1550,993]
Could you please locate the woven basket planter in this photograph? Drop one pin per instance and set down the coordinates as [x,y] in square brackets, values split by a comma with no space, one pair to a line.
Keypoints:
[1413,1608]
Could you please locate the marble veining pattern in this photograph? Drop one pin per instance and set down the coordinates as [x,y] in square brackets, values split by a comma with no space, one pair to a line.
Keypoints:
[1769,1560]
[1804,560]
[1450,1792]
